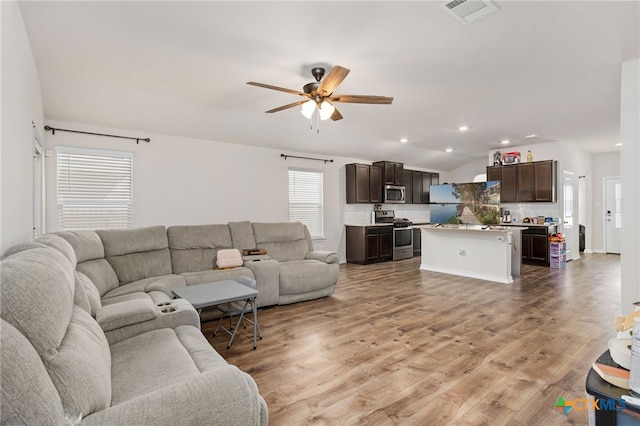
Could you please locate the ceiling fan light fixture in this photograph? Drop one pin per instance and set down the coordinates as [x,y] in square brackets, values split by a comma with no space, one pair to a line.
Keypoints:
[326,109]
[308,108]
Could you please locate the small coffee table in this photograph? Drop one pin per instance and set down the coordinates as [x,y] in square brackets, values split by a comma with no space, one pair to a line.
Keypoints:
[219,292]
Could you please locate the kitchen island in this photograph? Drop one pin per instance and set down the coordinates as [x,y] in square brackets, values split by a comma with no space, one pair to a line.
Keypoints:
[491,253]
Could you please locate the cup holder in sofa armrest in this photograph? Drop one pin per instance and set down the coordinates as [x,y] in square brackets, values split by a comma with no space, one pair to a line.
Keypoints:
[167,310]
[163,304]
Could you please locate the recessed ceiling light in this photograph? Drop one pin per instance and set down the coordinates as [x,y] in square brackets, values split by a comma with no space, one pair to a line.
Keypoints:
[532,135]
[505,141]
[404,140]
[463,128]
[619,144]
[449,150]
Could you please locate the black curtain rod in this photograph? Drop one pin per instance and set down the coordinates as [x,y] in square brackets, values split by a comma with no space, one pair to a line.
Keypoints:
[53,132]
[285,156]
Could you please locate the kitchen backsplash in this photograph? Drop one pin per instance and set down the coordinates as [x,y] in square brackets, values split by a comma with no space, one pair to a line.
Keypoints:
[522,210]
[357,214]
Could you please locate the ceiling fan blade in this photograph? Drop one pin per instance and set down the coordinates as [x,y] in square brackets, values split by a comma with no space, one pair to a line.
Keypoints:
[291,105]
[336,115]
[281,89]
[331,81]
[361,99]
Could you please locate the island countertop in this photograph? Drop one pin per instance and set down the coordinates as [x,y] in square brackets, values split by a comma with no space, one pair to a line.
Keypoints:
[481,228]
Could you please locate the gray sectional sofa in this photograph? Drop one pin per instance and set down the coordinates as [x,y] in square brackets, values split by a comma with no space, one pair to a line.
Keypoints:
[90,333]
[155,260]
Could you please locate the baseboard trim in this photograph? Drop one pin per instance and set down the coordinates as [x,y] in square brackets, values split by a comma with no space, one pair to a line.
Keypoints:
[485,277]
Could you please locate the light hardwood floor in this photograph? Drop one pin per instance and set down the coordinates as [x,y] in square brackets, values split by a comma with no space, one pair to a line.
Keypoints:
[396,345]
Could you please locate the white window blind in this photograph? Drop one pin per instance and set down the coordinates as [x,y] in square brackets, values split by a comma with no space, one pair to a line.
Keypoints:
[306,200]
[95,189]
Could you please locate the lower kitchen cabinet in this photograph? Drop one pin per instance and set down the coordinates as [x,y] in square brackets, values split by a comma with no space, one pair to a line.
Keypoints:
[369,244]
[535,245]
[417,242]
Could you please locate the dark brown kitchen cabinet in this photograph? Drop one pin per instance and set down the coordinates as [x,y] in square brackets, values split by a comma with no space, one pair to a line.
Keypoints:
[545,181]
[417,242]
[493,173]
[537,181]
[369,244]
[509,184]
[526,182]
[364,183]
[428,179]
[392,173]
[535,245]
[407,178]
[416,186]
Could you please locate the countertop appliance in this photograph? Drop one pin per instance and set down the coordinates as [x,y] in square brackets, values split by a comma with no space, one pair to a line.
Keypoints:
[402,233]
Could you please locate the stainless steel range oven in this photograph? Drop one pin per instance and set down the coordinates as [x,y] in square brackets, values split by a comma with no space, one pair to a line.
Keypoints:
[402,233]
[402,240]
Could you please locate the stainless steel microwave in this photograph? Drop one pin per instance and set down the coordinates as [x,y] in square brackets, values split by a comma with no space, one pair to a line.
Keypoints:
[393,194]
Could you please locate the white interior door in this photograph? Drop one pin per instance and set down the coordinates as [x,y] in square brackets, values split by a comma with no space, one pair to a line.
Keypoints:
[568,219]
[612,214]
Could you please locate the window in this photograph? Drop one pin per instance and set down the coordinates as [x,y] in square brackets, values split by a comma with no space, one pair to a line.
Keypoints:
[305,200]
[95,189]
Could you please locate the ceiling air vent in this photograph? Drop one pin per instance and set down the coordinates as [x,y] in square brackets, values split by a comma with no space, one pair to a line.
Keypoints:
[467,11]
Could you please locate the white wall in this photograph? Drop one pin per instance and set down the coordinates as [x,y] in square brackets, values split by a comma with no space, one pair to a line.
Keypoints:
[465,173]
[21,106]
[602,165]
[181,181]
[630,173]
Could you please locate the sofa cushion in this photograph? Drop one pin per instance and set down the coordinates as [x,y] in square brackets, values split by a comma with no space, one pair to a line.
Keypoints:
[37,298]
[28,395]
[218,275]
[80,295]
[194,248]
[242,235]
[80,367]
[164,283]
[101,274]
[86,244]
[40,280]
[91,292]
[148,362]
[283,241]
[118,315]
[302,276]
[137,253]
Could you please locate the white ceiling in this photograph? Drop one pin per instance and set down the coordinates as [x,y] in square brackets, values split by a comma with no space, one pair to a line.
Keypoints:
[180,68]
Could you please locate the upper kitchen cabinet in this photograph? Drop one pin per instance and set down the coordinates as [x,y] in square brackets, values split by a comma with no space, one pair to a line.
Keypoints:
[545,181]
[364,183]
[526,182]
[407,178]
[392,173]
[416,186]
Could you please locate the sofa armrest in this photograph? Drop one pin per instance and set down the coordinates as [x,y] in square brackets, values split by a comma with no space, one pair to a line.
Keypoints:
[323,256]
[170,314]
[221,396]
[118,315]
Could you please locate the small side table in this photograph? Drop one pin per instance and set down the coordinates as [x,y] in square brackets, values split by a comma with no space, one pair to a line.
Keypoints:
[219,292]
[603,390]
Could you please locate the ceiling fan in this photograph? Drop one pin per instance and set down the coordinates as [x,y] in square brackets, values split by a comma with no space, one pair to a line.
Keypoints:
[319,95]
